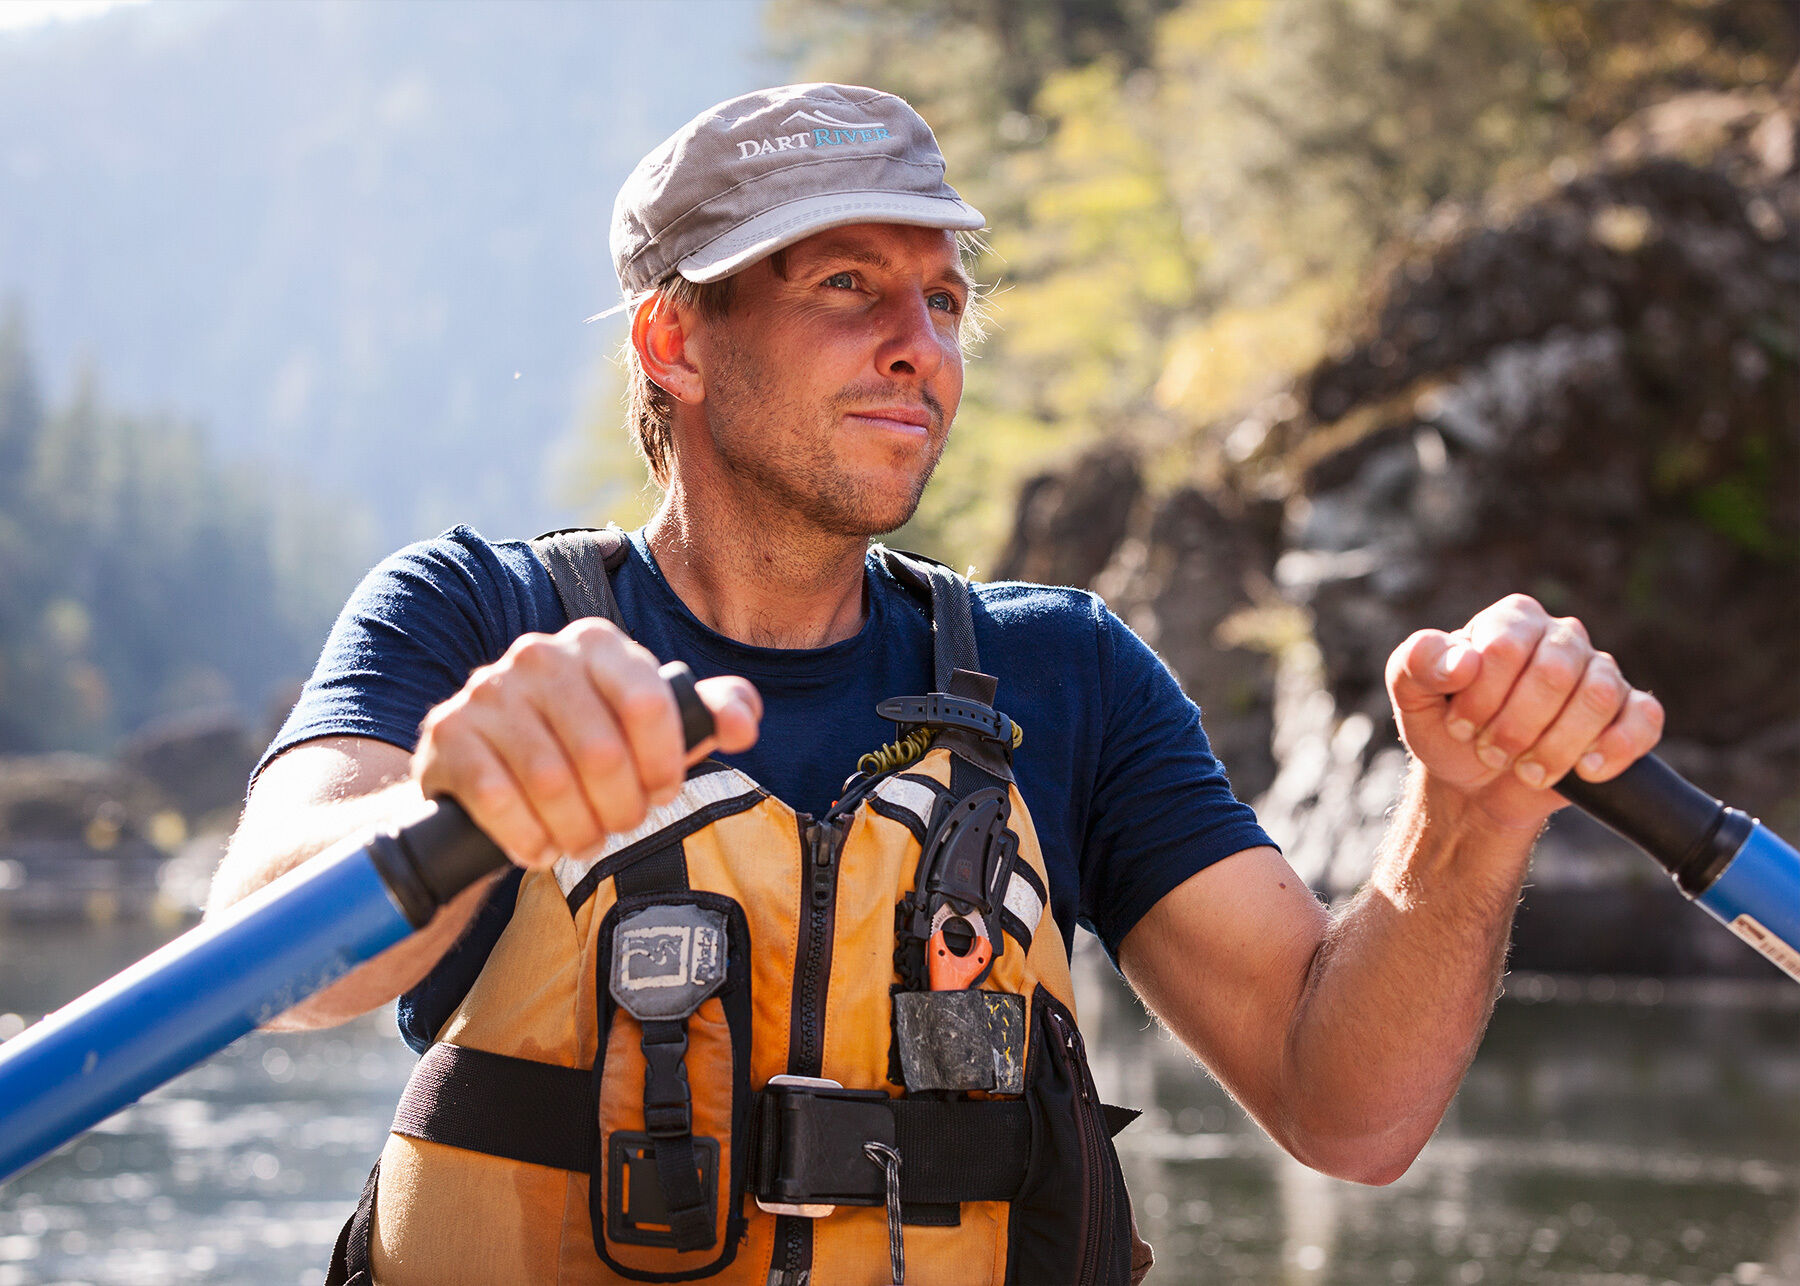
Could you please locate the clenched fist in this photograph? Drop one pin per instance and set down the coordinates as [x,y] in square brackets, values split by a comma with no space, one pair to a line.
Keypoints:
[568,738]
[1512,702]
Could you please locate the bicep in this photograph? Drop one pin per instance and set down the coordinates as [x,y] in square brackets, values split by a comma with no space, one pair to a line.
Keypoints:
[1223,960]
[326,770]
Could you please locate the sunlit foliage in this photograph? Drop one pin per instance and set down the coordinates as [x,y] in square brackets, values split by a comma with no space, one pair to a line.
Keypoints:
[1185,199]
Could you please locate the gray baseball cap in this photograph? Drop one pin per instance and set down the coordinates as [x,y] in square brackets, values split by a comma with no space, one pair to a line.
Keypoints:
[756,173]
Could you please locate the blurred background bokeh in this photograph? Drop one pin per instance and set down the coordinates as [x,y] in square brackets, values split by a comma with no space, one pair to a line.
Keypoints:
[1310,324]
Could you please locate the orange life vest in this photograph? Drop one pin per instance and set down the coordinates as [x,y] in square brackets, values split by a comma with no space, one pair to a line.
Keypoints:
[745,1045]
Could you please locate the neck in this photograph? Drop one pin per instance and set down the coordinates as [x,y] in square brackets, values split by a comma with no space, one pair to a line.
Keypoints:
[759,578]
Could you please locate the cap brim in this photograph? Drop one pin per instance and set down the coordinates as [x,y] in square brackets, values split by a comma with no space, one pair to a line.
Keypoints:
[771,230]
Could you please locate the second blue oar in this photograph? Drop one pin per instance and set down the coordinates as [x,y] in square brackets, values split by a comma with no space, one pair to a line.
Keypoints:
[1742,873]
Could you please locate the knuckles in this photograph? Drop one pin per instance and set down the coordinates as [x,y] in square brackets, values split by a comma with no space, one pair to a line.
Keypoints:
[1520,606]
[645,705]
[486,793]
[602,756]
[1604,693]
[1510,649]
[1558,671]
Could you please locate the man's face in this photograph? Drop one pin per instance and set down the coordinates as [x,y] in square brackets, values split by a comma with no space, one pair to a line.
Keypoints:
[830,386]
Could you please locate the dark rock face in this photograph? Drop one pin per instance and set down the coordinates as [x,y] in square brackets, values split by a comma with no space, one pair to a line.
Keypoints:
[1191,572]
[1599,405]
[1594,400]
[75,838]
[1067,524]
[199,760]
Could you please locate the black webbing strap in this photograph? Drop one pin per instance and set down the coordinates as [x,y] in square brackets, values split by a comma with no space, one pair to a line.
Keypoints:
[952,621]
[669,1121]
[580,561]
[668,1099]
[506,1107]
[970,1150]
[351,1258]
[950,1152]
[663,870]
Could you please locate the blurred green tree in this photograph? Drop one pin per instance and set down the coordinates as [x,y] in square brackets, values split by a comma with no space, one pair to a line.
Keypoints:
[139,576]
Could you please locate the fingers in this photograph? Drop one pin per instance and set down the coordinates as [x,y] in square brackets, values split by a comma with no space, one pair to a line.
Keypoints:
[645,736]
[1429,666]
[1543,701]
[1597,697]
[736,708]
[456,758]
[1631,736]
[570,738]
[1531,665]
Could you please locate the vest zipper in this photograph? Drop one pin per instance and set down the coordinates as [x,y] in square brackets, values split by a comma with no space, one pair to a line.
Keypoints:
[820,844]
[1094,1170]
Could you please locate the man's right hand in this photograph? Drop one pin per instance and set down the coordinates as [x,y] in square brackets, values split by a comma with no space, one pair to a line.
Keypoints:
[568,738]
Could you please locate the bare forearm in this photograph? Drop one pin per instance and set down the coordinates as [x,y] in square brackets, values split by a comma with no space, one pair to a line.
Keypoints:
[274,839]
[1400,992]
[267,847]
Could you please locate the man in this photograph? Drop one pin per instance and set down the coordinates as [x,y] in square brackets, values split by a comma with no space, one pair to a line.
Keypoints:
[798,312]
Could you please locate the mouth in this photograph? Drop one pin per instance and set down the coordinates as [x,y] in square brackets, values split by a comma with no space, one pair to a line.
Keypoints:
[906,419]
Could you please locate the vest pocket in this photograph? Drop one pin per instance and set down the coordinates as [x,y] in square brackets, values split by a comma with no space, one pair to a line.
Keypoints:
[1072,1212]
[673,1085]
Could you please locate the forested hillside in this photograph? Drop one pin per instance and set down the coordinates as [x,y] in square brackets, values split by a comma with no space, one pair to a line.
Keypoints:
[355,239]
[139,574]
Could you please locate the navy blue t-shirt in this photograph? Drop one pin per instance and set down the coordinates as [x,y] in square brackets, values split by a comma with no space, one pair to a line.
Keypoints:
[1123,789]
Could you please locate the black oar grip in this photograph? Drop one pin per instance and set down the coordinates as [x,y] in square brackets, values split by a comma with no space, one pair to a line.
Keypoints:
[430,861]
[696,720]
[1692,834]
[426,863]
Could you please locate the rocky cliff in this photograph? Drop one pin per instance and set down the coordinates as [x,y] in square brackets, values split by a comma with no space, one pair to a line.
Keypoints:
[1589,392]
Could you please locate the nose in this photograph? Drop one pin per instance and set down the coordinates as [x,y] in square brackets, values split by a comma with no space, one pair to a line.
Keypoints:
[913,340]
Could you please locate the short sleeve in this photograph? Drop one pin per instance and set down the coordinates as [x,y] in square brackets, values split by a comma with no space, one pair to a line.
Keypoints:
[1162,808]
[411,634]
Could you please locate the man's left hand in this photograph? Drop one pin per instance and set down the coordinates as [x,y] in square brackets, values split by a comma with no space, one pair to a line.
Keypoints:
[1505,707]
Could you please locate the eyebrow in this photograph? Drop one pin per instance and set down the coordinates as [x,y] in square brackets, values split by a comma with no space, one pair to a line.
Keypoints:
[955,274]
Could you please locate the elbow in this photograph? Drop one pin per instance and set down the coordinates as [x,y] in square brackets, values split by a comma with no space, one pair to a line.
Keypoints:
[1373,1158]
[1369,1170]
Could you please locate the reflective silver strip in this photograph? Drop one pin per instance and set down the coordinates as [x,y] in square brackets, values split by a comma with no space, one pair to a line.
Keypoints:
[1022,901]
[915,797]
[698,793]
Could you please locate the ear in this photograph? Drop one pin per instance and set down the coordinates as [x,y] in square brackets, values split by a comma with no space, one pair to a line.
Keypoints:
[659,333]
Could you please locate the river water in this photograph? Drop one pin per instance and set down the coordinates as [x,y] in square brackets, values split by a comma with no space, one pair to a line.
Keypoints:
[1611,1133]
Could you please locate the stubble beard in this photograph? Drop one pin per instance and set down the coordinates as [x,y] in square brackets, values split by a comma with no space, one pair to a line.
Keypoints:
[799,475]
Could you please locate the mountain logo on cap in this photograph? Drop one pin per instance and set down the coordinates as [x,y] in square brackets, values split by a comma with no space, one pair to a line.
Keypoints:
[825,131]
[829,122]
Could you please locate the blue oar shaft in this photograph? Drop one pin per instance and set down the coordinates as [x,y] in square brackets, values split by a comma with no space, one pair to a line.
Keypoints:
[188,1000]
[1757,897]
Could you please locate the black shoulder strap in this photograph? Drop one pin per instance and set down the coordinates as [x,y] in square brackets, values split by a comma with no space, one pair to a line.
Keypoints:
[952,622]
[581,561]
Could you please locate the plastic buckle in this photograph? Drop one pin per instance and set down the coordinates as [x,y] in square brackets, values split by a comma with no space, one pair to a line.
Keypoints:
[819,1129]
[782,1207]
[942,710]
[668,1104]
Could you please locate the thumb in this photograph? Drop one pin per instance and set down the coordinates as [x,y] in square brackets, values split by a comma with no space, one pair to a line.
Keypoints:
[1428,667]
[736,708]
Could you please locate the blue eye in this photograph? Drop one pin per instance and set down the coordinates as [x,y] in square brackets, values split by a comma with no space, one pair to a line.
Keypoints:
[841,281]
[944,301]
